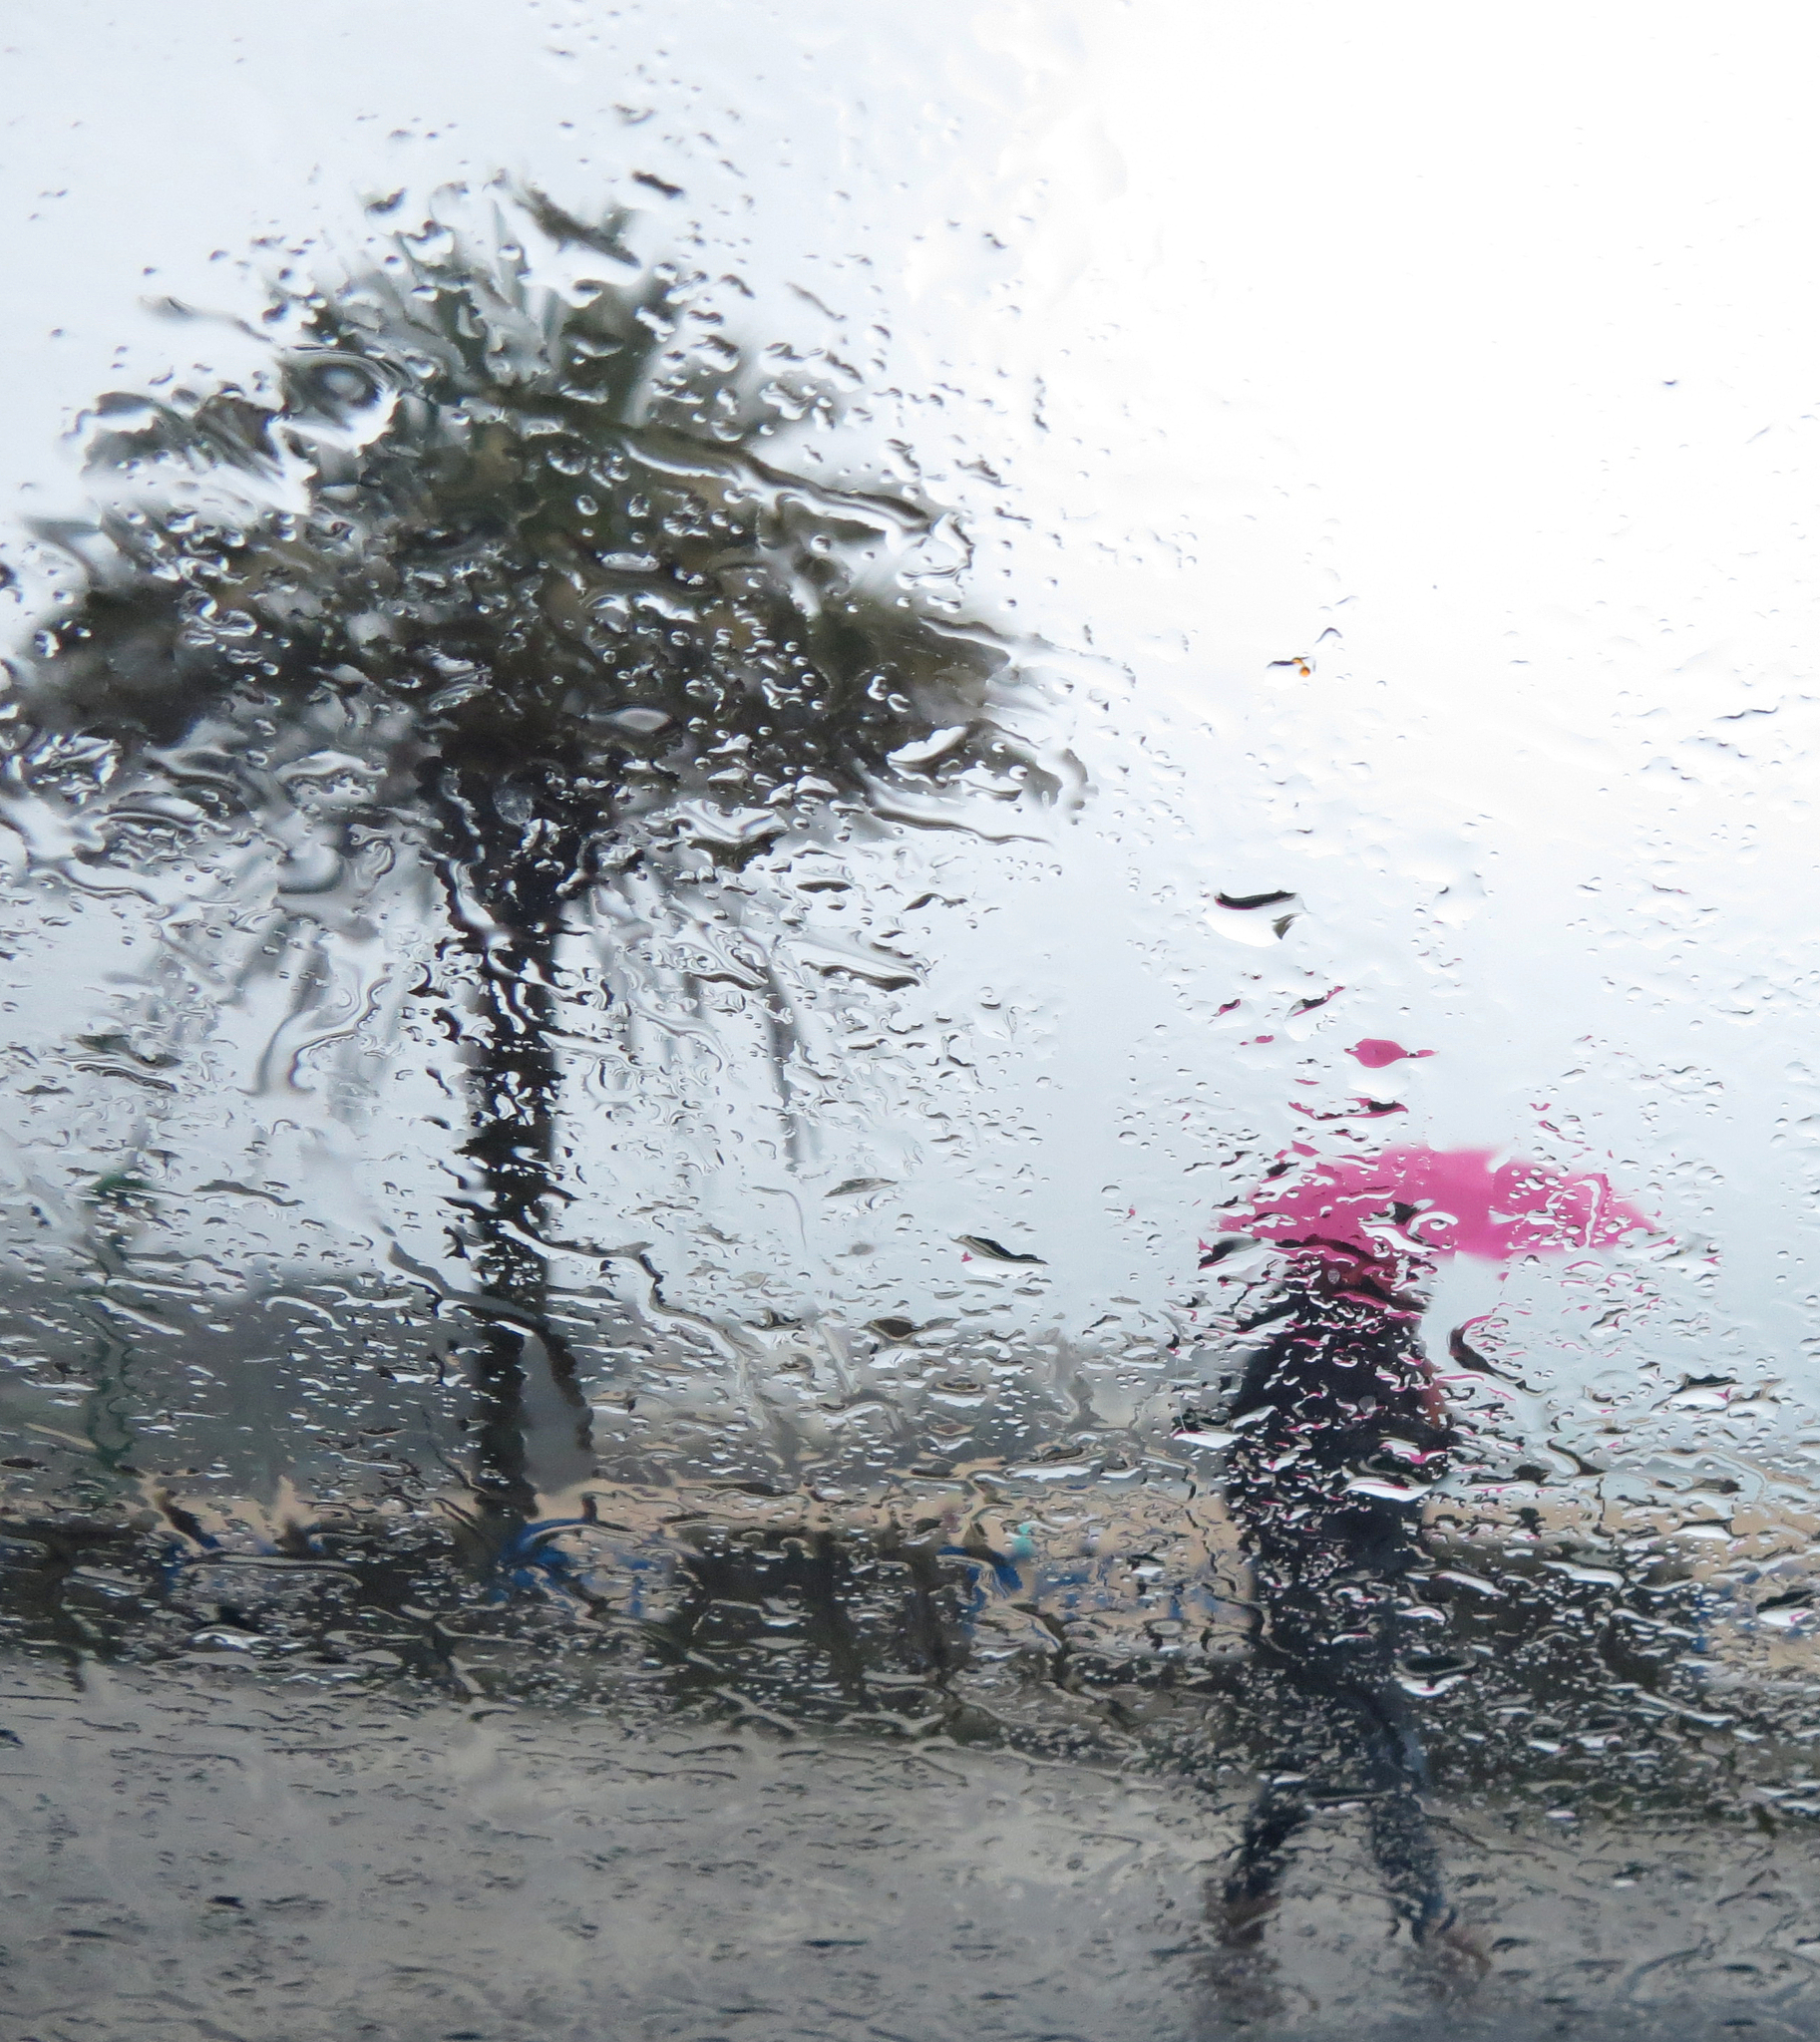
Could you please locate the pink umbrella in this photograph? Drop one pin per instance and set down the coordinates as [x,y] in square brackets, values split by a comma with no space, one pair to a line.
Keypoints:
[1421,1203]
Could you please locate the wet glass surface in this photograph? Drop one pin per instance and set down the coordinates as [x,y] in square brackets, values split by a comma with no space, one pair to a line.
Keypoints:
[907,989]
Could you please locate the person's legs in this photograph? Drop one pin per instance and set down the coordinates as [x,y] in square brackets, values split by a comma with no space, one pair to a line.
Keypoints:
[1391,1762]
[1250,1889]
[1403,1845]
[1408,1861]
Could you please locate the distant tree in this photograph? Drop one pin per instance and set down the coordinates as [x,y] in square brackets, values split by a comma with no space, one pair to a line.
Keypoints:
[510,554]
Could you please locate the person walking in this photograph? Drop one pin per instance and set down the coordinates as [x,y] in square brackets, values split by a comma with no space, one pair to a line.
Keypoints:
[1343,1429]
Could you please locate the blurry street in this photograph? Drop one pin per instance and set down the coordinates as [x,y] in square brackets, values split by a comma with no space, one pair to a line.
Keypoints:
[209,1852]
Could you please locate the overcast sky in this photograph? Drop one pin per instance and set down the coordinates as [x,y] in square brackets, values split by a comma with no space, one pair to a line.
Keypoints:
[1467,355]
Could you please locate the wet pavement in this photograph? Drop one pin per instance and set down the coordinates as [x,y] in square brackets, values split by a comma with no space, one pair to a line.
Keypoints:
[205,1851]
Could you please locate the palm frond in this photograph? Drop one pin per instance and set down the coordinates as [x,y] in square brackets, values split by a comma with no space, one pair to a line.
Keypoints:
[533,534]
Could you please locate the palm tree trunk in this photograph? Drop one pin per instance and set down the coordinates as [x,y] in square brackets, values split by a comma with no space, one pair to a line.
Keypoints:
[531,1427]
[512,1146]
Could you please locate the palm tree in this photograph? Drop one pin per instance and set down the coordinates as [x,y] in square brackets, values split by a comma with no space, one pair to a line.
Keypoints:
[508,558]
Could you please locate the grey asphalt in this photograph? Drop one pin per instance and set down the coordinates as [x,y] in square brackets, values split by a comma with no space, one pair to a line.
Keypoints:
[209,1851]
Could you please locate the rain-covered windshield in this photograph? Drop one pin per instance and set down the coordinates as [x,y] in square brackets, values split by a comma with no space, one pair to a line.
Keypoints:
[906,1024]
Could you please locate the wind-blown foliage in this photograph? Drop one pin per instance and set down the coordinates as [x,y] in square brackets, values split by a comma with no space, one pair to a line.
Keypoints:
[500,565]
[530,553]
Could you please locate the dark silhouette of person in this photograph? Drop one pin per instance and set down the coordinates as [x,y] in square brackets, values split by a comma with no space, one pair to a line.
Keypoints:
[1342,1429]
[1341,1426]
